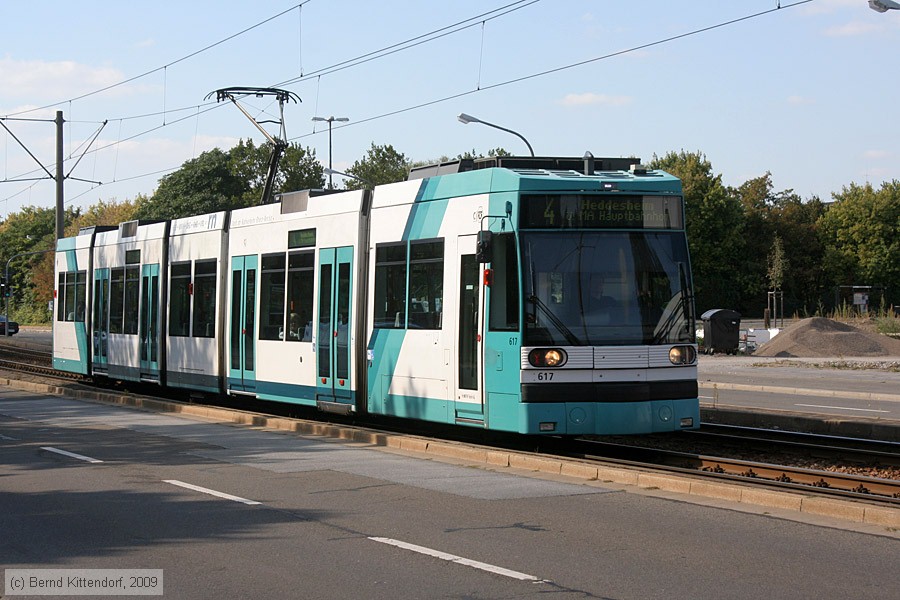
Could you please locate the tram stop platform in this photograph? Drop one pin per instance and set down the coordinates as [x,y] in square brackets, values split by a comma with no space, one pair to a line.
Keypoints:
[841,396]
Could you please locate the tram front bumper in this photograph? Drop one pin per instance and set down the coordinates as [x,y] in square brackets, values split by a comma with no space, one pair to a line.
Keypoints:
[609,418]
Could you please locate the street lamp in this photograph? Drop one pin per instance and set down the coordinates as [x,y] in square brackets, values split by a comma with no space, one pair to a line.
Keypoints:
[883,5]
[466,119]
[330,120]
[329,171]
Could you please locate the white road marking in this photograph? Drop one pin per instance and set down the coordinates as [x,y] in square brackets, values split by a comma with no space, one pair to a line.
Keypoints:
[204,490]
[6,437]
[843,408]
[457,559]
[72,455]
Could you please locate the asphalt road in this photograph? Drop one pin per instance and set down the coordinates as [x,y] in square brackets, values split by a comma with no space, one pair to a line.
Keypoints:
[302,517]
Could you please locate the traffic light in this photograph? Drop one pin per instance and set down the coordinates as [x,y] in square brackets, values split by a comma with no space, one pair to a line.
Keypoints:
[4,291]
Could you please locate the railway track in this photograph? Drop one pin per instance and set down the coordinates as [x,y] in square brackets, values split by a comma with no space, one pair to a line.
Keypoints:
[784,476]
[684,457]
[851,450]
[34,362]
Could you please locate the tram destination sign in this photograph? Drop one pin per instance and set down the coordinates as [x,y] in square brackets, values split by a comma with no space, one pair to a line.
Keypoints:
[601,211]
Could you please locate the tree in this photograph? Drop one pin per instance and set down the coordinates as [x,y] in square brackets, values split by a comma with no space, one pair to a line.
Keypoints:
[32,229]
[107,212]
[777,265]
[202,185]
[382,164]
[218,180]
[298,169]
[714,227]
[796,224]
[499,151]
[757,200]
[861,235]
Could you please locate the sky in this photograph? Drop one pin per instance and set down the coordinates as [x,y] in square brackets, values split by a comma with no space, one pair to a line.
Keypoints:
[804,90]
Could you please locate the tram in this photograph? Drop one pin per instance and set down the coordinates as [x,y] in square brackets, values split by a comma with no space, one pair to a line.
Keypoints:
[533,295]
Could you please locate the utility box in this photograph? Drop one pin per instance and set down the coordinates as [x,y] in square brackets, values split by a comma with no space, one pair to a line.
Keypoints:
[721,330]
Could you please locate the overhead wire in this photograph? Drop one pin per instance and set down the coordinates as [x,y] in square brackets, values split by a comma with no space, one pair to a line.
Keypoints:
[399,47]
[391,49]
[581,63]
[413,42]
[165,66]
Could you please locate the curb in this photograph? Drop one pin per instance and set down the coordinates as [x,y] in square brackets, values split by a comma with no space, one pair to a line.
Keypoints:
[794,391]
[858,427]
[854,511]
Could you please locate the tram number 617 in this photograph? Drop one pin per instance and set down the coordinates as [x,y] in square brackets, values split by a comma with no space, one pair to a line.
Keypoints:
[545,376]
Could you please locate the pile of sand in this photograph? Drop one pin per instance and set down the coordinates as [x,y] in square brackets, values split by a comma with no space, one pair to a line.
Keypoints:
[823,338]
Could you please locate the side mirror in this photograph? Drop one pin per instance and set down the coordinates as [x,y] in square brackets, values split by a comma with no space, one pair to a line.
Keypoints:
[483,247]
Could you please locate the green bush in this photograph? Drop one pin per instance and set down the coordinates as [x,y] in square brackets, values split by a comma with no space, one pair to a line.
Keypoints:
[26,314]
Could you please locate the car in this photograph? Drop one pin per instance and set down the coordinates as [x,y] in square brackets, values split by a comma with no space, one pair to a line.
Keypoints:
[13,326]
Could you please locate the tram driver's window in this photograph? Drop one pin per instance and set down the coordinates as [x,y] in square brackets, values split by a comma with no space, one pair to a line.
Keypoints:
[503,292]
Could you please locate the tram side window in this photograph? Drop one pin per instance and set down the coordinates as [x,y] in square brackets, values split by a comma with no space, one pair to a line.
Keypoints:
[61,298]
[80,295]
[180,300]
[300,296]
[390,286]
[204,321]
[504,289]
[271,322]
[132,298]
[71,296]
[426,284]
[116,300]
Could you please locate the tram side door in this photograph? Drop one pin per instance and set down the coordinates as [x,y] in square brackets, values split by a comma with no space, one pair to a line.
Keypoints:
[470,324]
[149,324]
[100,317]
[242,324]
[333,333]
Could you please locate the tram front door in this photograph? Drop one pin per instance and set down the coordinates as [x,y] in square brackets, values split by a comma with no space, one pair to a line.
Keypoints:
[469,381]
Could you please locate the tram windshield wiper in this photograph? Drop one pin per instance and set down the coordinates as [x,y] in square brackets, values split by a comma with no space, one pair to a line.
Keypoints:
[555,321]
[677,313]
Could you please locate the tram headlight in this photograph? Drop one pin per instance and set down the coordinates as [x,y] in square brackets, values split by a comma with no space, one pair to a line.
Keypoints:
[547,357]
[682,355]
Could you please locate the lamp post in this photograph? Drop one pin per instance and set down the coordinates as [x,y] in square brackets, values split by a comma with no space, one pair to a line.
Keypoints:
[466,119]
[883,5]
[330,120]
[329,171]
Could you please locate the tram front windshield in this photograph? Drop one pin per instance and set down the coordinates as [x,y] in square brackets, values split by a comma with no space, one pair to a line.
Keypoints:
[594,288]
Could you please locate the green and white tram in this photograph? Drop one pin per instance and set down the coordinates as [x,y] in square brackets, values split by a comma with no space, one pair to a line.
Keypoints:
[530,295]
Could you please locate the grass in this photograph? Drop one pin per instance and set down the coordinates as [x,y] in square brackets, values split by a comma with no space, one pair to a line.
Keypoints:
[873,365]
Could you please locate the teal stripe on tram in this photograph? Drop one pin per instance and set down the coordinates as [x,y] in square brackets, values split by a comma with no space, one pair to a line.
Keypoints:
[424,222]
[384,350]
[426,214]
[67,246]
